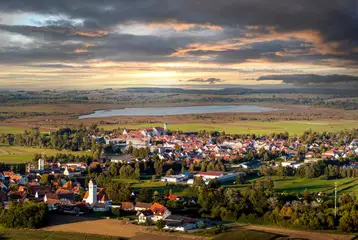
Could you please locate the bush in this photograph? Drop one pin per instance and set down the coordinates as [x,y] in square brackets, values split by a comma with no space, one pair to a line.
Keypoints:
[160,224]
[116,212]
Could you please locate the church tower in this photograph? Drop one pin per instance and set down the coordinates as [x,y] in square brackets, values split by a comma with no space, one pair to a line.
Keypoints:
[92,193]
[41,164]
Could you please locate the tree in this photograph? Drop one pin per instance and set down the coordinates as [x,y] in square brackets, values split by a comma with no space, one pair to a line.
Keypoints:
[116,211]
[118,192]
[198,182]
[44,179]
[240,179]
[160,224]
[145,195]
[169,172]
[113,169]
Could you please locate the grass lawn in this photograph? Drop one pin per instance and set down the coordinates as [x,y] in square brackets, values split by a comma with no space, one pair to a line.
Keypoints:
[246,234]
[258,127]
[18,154]
[21,234]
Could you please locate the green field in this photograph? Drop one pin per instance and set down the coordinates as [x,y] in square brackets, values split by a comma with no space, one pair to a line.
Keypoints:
[19,129]
[11,129]
[257,127]
[299,185]
[17,154]
[21,234]
[287,184]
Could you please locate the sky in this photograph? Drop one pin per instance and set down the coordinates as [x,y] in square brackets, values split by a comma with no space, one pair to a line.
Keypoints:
[87,44]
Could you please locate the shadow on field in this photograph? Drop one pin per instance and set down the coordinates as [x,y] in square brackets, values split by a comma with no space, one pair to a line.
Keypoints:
[61,219]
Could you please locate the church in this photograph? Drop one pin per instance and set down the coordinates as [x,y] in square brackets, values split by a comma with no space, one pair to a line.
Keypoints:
[97,198]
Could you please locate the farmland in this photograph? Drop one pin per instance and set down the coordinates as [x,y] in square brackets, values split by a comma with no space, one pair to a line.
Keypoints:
[257,127]
[18,154]
[18,234]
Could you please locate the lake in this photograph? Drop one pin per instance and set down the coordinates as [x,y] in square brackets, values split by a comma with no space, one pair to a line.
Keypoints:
[165,111]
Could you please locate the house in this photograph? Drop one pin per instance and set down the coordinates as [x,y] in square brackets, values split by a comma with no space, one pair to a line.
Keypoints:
[209,175]
[251,164]
[172,197]
[38,191]
[181,223]
[144,216]
[175,178]
[52,201]
[127,206]
[101,207]
[140,206]
[159,212]
[288,163]
[76,209]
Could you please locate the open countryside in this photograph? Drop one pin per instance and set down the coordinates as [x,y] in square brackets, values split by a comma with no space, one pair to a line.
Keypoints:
[253,127]
[178,120]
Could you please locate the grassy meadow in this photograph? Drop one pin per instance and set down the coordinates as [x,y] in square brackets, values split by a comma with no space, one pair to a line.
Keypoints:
[257,127]
[18,154]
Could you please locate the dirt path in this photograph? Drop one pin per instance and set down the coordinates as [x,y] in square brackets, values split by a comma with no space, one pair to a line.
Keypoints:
[298,234]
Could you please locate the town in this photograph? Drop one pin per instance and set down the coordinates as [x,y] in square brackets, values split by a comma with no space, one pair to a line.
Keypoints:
[175,160]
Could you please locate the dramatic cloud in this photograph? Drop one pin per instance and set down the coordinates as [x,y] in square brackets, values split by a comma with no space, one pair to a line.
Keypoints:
[209,80]
[312,78]
[235,40]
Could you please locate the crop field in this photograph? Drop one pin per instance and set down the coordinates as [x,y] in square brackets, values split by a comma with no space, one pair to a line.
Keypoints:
[17,154]
[257,127]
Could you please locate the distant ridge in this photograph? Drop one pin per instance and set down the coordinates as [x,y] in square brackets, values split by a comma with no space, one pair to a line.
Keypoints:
[234,91]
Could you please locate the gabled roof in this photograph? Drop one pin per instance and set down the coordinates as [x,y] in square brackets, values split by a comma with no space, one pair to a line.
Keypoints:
[158,209]
[127,205]
[143,205]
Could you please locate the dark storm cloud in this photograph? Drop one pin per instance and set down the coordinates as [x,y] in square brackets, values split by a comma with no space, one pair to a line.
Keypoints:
[208,80]
[91,24]
[336,20]
[311,78]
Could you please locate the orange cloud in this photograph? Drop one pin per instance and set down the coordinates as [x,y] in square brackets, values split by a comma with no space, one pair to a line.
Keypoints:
[84,49]
[253,36]
[184,26]
[91,33]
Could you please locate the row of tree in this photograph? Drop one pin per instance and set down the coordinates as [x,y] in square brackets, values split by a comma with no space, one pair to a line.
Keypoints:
[24,215]
[259,203]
